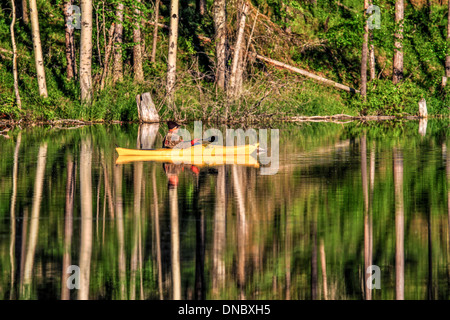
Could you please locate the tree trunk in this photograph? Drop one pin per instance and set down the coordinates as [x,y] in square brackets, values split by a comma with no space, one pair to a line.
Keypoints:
[371,52]
[365,50]
[118,63]
[38,56]
[201,7]
[70,45]
[447,58]
[234,89]
[399,226]
[155,31]
[137,49]
[175,243]
[107,56]
[172,56]
[13,42]
[221,38]
[398,52]
[86,217]
[86,51]
[25,17]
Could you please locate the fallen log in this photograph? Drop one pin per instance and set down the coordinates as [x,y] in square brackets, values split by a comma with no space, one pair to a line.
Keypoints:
[306,73]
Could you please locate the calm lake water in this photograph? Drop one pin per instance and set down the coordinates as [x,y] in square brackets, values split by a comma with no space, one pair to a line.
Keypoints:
[346,196]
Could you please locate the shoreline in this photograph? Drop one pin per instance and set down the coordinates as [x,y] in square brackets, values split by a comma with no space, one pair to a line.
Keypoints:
[341,118]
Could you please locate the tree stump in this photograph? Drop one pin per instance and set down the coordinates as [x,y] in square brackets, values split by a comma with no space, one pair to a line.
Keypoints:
[146,108]
[147,135]
[423,113]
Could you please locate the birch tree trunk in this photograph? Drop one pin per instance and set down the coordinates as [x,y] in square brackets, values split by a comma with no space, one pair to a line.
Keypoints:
[86,51]
[137,49]
[13,42]
[25,17]
[365,50]
[371,52]
[70,45]
[447,58]
[118,63]
[398,52]
[220,26]
[172,56]
[155,31]
[233,89]
[38,56]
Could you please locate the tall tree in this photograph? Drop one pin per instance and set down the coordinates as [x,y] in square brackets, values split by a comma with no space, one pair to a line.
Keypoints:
[398,46]
[70,44]
[201,7]
[371,52]
[118,63]
[220,26]
[25,17]
[447,58]
[137,48]
[365,50]
[155,31]
[172,56]
[38,56]
[13,42]
[86,51]
[237,66]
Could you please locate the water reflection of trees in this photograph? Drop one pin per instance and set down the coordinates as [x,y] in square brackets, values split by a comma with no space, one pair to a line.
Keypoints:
[310,231]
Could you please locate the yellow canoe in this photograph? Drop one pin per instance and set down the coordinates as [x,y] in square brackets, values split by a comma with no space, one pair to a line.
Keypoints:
[210,150]
[198,155]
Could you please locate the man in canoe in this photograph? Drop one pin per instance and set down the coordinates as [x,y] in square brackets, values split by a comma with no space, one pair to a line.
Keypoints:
[172,139]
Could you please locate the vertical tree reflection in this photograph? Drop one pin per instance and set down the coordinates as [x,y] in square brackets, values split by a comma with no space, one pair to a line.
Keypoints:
[399,225]
[86,218]
[68,226]
[219,238]
[157,235]
[34,223]
[175,243]
[120,231]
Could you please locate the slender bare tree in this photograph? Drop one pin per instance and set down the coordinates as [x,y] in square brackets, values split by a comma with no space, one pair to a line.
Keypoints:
[25,17]
[118,63]
[38,56]
[70,44]
[13,42]
[365,50]
[172,56]
[201,7]
[86,51]
[398,44]
[155,31]
[447,57]
[220,25]
[137,48]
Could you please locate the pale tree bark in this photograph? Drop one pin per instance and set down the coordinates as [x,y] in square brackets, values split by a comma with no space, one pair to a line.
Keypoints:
[37,47]
[172,56]
[120,231]
[365,185]
[86,51]
[13,42]
[399,226]
[219,241]
[365,50]
[175,244]
[398,51]
[138,170]
[68,227]
[155,31]
[201,7]
[371,53]
[220,26]
[118,63]
[236,69]
[34,222]
[157,235]
[25,17]
[107,56]
[70,44]
[137,48]
[86,218]
[447,58]
[12,246]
